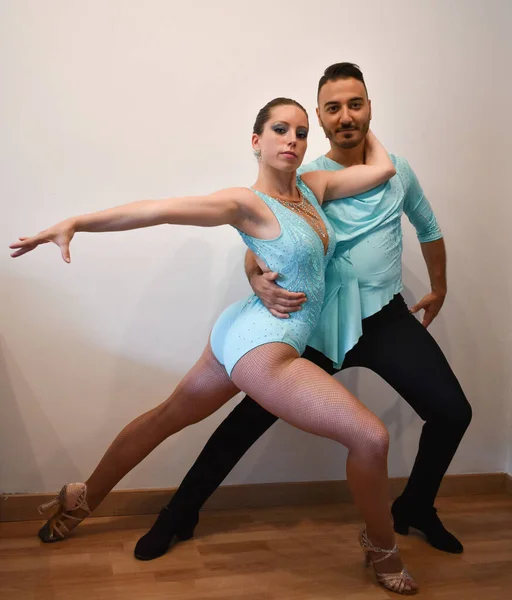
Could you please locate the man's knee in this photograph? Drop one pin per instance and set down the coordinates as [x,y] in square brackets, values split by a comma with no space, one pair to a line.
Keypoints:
[463,414]
[452,411]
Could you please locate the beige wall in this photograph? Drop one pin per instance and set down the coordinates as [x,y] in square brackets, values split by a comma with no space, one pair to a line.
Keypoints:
[107,102]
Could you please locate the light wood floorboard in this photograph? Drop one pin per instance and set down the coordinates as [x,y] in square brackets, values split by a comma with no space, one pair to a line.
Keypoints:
[287,553]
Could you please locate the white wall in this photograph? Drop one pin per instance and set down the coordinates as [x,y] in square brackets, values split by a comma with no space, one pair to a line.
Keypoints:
[508,467]
[108,102]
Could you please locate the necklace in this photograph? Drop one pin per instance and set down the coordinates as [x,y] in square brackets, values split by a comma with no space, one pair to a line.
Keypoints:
[305,209]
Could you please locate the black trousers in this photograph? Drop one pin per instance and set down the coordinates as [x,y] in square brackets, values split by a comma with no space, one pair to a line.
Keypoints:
[399,349]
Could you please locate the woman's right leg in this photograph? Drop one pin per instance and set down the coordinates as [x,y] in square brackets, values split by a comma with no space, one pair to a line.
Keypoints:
[203,390]
[302,394]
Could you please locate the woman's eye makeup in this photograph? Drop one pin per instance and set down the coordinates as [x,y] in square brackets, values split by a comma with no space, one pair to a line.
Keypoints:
[281,129]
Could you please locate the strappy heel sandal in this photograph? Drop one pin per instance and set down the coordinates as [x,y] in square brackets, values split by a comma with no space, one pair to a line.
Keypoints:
[71,498]
[400,582]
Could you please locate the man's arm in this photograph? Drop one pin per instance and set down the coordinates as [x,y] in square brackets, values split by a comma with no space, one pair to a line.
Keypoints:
[357,179]
[251,266]
[420,214]
[279,302]
[434,254]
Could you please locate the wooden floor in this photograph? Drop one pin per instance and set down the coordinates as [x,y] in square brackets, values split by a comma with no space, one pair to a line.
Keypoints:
[262,554]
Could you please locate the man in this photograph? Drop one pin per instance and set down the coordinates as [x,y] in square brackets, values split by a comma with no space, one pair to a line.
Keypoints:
[365,322]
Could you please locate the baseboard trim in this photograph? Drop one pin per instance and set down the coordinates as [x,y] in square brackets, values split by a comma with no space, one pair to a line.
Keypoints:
[23,507]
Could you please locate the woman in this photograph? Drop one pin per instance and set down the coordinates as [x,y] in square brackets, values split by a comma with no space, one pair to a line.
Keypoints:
[280,219]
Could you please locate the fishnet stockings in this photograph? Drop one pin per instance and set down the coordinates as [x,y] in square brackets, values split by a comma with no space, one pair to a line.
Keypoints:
[203,390]
[293,389]
[302,394]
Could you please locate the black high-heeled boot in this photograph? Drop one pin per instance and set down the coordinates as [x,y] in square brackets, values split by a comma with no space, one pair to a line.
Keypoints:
[166,531]
[428,523]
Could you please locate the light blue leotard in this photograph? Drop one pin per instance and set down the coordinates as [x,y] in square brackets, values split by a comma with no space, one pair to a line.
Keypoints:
[297,254]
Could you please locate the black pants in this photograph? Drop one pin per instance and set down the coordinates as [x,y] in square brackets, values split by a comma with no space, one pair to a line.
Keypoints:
[399,349]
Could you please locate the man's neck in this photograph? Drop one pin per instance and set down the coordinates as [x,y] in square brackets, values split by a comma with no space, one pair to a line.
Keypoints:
[347,157]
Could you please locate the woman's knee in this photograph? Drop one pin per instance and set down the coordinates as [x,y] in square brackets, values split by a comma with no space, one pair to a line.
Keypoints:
[373,438]
[182,408]
[379,439]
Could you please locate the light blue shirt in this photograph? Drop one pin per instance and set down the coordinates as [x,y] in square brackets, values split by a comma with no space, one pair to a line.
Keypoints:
[366,270]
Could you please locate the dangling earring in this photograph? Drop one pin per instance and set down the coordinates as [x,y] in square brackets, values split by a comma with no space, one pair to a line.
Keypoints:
[257,154]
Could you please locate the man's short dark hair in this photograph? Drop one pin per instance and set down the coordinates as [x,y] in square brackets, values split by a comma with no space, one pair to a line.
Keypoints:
[343,70]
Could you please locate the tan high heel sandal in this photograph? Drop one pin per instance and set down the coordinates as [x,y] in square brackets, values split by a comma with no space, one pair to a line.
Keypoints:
[400,582]
[71,497]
